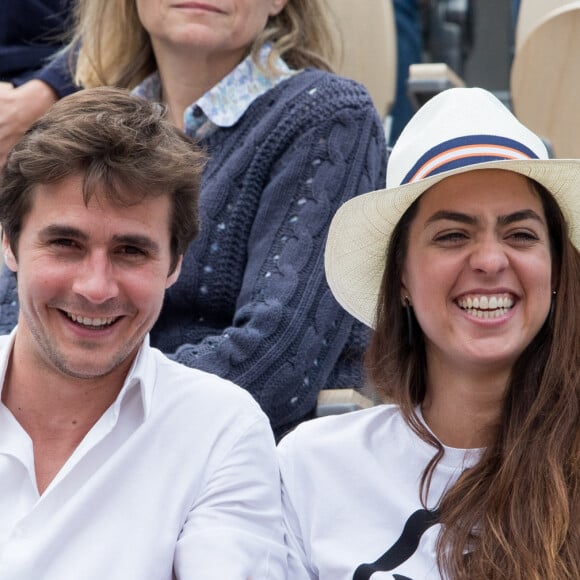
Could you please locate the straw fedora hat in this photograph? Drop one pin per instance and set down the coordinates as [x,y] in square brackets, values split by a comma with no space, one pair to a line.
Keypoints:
[456,131]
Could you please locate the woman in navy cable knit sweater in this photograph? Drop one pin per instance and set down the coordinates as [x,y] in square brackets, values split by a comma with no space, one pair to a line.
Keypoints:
[288,143]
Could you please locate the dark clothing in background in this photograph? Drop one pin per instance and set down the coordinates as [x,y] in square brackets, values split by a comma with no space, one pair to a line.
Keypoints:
[31,31]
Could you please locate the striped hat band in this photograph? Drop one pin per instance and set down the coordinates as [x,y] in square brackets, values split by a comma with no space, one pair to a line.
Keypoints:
[464,151]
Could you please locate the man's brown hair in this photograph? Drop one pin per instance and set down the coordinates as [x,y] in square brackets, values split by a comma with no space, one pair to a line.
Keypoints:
[122,146]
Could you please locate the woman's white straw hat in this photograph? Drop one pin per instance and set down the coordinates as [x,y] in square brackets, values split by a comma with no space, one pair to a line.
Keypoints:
[458,130]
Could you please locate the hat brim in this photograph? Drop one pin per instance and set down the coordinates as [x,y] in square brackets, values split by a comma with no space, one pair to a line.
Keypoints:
[360,231]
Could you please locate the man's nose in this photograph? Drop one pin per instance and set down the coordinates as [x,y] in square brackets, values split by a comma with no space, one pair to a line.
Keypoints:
[95,279]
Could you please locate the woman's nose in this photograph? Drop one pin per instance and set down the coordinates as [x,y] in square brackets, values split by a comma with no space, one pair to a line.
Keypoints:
[489,257]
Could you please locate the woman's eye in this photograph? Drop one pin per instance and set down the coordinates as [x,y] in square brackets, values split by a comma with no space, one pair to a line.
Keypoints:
[450,237]
[523,236]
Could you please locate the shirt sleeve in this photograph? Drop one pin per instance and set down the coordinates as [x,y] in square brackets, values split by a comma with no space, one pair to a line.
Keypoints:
[288,333]
[234,530]
[298,567]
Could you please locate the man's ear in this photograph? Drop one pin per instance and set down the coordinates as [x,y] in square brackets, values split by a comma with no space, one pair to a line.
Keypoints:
[9,257]
[171,279]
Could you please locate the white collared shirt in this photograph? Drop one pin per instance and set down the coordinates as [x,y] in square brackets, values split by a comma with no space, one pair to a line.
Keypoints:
[177,479]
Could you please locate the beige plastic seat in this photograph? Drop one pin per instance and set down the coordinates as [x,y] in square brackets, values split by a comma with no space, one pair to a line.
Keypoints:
[531,13]
[365,37]
[545,80]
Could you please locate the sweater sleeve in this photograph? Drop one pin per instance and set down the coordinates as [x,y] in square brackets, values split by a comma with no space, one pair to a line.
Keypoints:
[288,332]
[8,300]
[58,75]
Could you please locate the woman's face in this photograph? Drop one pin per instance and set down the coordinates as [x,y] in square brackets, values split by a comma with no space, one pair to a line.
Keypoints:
[478,269]
[211,28]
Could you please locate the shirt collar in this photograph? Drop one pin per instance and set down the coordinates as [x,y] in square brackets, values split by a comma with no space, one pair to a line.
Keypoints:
[142,375]
[225,103]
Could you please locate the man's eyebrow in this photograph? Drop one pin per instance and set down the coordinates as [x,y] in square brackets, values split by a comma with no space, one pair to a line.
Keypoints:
[63,231]
[66,231]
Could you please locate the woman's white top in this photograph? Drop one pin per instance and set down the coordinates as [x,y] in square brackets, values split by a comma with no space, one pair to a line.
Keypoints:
[351,487]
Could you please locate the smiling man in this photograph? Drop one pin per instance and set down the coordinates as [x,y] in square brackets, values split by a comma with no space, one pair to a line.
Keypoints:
[116,462]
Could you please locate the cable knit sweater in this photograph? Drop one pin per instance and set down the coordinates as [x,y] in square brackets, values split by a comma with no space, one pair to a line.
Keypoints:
[251,303]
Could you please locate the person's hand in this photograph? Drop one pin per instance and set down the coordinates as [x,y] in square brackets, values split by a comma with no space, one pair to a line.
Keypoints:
[19,108]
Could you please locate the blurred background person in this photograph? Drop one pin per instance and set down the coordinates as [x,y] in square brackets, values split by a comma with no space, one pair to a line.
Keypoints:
[31,32]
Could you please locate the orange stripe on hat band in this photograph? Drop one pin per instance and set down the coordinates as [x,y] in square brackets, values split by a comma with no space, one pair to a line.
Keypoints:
[455,155]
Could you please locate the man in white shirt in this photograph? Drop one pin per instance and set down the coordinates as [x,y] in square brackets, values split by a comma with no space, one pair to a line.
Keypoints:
[116,462]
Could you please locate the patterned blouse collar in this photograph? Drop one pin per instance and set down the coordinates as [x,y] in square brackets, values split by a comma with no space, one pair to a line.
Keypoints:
[225,103]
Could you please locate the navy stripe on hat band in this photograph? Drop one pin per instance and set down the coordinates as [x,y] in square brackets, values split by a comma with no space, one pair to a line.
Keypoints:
[464,151]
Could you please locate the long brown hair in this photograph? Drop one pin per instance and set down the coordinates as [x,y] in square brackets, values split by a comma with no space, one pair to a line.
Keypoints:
[516,513]
[115,50]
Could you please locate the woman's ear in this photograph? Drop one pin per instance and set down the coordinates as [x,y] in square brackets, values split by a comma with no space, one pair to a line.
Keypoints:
[276,6]
[9,257]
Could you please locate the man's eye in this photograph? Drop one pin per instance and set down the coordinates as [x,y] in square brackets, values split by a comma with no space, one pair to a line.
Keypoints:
[64,242]
[132,251]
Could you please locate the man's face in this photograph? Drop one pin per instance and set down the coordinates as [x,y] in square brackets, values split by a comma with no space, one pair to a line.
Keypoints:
[91,280]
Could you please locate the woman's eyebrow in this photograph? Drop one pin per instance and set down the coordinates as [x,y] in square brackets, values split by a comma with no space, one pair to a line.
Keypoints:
[452,216]
[502,220]
[518,216]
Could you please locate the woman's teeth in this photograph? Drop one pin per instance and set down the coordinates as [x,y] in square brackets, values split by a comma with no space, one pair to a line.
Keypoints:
[483,306]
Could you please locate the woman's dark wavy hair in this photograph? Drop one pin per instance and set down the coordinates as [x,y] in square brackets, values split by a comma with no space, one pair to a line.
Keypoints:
[517,511]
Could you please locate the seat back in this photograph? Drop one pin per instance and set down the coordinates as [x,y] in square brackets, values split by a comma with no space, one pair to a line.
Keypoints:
[545,80]
[365,37]
[531,13]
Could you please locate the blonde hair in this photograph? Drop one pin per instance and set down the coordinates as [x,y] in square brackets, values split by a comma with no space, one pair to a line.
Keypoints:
[115,50]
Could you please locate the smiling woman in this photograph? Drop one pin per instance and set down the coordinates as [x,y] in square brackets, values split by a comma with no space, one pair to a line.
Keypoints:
[464,258]
[466,267]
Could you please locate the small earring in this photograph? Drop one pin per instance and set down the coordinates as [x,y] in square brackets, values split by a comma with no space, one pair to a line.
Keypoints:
[409,313]
[552,306]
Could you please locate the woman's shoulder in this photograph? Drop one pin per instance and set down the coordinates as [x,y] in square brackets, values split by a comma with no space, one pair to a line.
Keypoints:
[352,428]
[311,78]
[318,91]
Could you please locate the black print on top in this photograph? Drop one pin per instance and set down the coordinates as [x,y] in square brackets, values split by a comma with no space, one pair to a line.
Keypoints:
[417,524]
